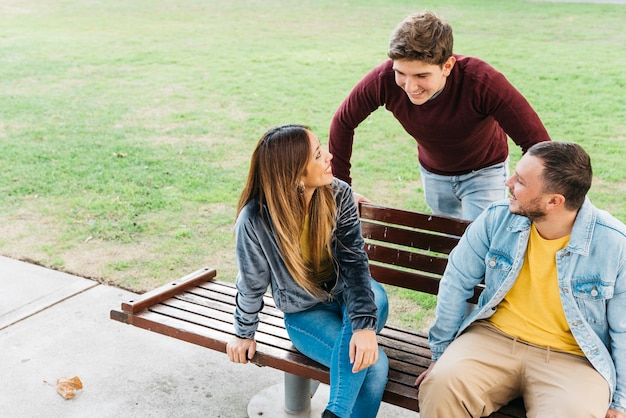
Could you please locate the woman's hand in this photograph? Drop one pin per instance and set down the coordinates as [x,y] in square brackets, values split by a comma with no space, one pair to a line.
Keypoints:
[240,350]
[363,349]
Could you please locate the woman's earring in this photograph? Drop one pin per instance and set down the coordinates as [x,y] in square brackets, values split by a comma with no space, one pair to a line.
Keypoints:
[300,188]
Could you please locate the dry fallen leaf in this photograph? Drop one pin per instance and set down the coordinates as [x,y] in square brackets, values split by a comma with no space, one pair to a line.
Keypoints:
[67,387]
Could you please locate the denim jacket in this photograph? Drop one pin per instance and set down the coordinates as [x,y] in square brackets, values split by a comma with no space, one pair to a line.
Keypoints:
[591,273]
[261,265]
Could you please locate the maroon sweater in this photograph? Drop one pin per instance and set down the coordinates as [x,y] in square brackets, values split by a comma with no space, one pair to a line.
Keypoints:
[465,128]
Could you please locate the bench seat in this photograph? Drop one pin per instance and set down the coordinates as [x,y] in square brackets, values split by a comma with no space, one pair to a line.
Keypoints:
[199,309]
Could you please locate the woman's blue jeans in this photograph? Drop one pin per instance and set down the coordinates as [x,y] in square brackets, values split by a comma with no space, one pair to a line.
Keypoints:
[323,333]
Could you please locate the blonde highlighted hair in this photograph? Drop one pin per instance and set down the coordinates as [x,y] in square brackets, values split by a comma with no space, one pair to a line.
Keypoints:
[277,166]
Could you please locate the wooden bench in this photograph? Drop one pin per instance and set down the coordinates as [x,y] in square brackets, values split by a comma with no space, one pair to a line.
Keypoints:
[406,249]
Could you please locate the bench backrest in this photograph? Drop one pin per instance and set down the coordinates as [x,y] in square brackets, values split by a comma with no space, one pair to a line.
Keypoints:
[409,249]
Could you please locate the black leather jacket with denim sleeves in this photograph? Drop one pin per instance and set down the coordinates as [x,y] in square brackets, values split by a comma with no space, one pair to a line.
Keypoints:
[261,265]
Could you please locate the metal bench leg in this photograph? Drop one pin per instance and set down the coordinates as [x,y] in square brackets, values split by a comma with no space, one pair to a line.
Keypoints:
[298,393]
[293,398]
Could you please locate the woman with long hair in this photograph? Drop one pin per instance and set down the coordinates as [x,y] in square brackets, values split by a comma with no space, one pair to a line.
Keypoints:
[298,231]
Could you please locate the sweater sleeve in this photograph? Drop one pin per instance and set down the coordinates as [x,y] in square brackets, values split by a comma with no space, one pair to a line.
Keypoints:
[364,99]
[252,280]
[353,264]
[511,110]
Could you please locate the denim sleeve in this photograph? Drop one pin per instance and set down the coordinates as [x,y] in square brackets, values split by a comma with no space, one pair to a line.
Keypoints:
[253,278]
[353,263]
[465,269]
[616,316]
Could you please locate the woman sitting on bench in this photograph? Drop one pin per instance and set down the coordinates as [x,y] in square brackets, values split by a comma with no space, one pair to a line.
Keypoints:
[297,230]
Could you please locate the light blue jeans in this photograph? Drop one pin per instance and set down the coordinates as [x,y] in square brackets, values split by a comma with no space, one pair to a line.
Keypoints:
[467,195]
[323,333]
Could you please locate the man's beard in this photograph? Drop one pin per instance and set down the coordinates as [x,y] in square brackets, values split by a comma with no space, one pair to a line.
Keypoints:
[531,211]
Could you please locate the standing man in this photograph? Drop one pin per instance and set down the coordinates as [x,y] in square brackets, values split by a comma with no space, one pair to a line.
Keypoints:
[459,110]
[550,325]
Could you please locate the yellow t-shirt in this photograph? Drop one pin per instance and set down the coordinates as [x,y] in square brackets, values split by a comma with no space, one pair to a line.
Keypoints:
[326,271]
[532,309]
[305,247]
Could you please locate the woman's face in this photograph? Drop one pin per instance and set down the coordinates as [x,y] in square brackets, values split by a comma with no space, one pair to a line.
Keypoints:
[318,170]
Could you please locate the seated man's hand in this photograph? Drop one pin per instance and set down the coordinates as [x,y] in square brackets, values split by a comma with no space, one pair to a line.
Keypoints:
[423,375]
[613,413]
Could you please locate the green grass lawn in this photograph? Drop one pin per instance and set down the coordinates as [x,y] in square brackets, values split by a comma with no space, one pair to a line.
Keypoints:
[127,126]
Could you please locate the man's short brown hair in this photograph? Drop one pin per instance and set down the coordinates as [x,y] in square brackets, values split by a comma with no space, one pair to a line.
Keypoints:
[422,37]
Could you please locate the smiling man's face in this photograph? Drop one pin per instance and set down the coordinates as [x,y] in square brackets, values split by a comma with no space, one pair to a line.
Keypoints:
[419,80]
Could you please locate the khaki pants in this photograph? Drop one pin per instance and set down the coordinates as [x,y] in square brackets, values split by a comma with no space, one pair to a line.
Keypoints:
[484,369]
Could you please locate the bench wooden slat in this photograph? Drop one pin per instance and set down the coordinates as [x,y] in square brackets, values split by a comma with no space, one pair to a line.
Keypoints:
[415,239]
[410,219]
[413,281]
[409,280]
[429,263]
[204,297]
[401,334]
[409,345]
[226,292]
[406,361]
[401,395]
[219,320]
[165,292]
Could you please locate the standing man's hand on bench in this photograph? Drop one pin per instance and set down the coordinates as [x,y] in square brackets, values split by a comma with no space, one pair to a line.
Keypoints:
[358,198]
[240,350]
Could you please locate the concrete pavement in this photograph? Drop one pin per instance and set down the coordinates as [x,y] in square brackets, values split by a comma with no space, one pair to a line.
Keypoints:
[55,325]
